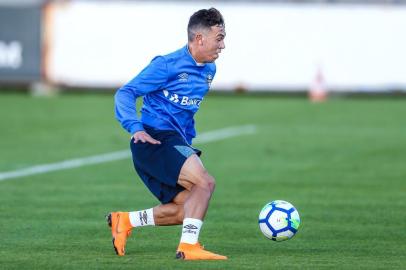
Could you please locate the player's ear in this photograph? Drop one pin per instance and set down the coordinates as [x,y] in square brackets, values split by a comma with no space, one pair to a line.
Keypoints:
[199,39]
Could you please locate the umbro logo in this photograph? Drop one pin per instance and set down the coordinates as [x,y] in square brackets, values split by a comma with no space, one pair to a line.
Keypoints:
[209,79]
[183,77]
[190,227]
[143,218]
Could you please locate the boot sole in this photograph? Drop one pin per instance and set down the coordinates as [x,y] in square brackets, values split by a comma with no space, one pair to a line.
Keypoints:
[108,219]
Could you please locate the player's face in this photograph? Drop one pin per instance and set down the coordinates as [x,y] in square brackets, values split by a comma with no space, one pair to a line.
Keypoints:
[213,43]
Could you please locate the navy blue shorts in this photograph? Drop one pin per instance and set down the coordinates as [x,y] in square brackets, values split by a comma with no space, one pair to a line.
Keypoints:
[159,165]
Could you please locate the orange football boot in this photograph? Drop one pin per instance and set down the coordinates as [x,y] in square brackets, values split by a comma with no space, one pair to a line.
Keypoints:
[120,230]
[196,252]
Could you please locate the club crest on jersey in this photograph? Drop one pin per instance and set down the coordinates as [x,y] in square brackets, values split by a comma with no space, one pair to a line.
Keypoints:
[183,77]
[209,79]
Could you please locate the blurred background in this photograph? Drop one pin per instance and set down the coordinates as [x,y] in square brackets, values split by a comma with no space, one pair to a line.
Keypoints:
[272,46]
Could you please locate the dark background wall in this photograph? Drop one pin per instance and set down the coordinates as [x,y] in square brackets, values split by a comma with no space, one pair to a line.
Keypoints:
[20,43]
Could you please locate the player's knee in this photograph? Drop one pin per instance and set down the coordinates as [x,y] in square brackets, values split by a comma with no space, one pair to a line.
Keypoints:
[209,183]
[212,184]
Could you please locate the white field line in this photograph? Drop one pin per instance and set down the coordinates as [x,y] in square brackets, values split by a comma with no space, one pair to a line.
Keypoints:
[210,136]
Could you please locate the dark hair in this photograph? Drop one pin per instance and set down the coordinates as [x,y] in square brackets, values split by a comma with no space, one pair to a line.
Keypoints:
[204,18]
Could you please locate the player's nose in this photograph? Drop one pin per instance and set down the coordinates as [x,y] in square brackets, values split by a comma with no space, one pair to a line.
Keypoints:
[222,45]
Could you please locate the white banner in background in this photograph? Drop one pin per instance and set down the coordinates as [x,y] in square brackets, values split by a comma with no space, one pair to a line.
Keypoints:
[268,46]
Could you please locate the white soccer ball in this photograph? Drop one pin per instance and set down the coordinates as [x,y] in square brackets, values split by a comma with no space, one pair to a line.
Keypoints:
[279,220]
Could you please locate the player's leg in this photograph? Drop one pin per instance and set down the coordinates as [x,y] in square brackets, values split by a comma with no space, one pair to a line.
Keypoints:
[194,177]
[151,164]
[161,215]
[171,213]
[122,223]
[175,175]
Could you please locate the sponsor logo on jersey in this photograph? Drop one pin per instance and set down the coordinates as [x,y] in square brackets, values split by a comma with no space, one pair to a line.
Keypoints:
[174,98]
[182,100]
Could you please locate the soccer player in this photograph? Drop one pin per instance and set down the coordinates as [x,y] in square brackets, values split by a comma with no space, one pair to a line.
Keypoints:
[173,87]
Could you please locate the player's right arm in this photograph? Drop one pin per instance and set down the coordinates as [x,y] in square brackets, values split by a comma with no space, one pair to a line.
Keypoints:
[150,79]
[142,136]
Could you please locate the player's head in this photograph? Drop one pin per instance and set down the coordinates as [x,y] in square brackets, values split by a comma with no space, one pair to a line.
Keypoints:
[206,33]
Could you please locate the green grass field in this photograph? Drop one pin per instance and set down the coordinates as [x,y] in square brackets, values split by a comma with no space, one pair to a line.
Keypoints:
[341,163]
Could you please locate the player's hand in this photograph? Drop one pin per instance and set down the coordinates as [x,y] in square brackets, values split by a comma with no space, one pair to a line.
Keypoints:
[142,136]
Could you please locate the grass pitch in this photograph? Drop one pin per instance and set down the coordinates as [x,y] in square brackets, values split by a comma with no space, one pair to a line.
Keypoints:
[341,163]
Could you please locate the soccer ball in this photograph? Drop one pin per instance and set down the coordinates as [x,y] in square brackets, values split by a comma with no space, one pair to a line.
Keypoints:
[279,220]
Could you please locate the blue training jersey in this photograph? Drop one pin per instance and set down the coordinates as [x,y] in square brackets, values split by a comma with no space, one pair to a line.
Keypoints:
[173,87]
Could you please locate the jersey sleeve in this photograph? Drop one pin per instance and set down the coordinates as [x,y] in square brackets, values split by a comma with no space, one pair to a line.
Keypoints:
[150,79]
